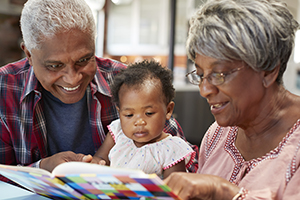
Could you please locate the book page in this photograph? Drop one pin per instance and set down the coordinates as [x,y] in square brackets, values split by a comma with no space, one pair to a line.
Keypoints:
[89,168]
[95,181]
[78,180]
[26,169]
[39,181]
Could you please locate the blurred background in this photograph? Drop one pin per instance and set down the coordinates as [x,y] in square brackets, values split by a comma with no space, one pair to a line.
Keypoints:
[132,30]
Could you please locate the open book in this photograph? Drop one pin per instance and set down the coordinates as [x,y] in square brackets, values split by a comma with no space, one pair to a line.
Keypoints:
[78,180]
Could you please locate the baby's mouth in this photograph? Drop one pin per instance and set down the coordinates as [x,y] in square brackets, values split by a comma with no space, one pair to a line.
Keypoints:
[140,134]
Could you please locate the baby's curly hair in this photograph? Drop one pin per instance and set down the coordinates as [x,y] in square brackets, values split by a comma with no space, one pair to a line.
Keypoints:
[137,73]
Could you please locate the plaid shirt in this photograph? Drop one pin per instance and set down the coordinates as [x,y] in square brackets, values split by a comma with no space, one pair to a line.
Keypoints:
[23,139]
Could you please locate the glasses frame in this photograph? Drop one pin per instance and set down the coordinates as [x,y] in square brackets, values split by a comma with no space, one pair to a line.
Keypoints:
[209,78]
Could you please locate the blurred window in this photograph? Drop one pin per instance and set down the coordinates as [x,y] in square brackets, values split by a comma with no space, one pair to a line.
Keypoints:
[138,28]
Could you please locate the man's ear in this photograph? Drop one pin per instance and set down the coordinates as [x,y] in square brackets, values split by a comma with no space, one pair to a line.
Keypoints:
[269,77]
[26,51]
[170,108]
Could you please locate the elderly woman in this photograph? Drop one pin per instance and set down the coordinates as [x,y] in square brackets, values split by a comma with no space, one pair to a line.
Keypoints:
[240,49]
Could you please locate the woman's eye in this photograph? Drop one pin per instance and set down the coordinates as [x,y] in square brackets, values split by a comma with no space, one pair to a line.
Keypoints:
[199,73]
[217,74]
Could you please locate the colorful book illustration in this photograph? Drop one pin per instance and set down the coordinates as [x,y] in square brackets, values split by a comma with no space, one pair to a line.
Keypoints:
[78,180]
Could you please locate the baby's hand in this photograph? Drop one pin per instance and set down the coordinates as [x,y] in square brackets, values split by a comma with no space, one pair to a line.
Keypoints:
[102,162]
[98,160]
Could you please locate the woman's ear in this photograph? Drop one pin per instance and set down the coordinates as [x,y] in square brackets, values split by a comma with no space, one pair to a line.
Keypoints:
[269,77]
[170,108]
[27,52]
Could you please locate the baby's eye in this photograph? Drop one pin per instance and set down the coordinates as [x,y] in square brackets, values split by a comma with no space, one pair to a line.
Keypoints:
[129,115]
[149,113]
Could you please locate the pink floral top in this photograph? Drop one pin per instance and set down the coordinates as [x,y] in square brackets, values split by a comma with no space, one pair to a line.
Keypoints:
[151,158]
[273,176]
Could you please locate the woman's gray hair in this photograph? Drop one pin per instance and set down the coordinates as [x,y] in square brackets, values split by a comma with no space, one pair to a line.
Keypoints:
[42,19]
[259,32]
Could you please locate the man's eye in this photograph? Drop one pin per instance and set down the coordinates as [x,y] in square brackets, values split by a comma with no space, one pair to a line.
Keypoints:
[54,67]
[83,60]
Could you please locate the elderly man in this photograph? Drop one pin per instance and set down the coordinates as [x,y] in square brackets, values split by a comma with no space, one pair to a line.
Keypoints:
[56,103]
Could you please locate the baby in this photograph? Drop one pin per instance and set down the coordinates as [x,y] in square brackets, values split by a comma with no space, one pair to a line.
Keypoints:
[143,95]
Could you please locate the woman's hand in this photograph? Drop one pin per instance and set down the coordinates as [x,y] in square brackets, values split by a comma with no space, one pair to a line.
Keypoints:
[201,186]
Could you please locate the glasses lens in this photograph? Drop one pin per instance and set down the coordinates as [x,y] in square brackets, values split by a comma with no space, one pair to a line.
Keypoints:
[217,78]
[194,78]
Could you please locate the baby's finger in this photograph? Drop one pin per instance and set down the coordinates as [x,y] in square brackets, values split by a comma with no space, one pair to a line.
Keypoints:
[102,162]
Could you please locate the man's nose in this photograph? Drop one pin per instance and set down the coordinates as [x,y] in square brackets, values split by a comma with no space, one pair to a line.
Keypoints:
[72,76]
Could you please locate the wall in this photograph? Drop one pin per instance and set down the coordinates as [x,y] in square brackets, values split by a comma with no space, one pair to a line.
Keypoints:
[291,75]
[10,34]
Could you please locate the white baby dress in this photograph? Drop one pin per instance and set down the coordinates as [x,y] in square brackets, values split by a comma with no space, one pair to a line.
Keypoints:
[151,158]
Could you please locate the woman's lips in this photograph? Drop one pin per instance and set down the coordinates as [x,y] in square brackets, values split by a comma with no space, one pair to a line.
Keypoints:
[217,107]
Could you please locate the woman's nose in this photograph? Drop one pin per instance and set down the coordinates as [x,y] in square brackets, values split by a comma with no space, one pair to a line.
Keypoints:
[206,88]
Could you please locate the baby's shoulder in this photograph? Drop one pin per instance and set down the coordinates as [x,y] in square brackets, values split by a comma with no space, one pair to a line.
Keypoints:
[171,144]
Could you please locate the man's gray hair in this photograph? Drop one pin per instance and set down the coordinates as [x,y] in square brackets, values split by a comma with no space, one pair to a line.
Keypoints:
[259,32]
[42,19]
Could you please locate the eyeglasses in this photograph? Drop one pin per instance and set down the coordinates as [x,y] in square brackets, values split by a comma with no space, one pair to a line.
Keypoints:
[215,78]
